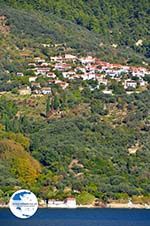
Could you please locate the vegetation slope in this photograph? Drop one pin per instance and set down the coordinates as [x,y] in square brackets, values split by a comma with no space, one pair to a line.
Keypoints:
[86,148]
[94,144]
[95,26]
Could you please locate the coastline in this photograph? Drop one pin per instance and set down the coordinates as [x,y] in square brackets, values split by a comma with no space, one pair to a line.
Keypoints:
[107,206]
[117,206]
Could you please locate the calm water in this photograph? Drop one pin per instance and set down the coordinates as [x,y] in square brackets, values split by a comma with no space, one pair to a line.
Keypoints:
[79,217]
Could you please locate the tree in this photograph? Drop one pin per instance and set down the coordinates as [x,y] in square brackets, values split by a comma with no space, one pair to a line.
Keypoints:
[48,105]
[147,78]
[98,107]
[117,87]
[56,103]
[85,198]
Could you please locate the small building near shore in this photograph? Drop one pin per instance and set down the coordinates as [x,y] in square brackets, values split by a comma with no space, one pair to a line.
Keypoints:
[68,203]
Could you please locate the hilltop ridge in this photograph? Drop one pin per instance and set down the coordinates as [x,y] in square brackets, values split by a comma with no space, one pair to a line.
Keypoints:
[113,28]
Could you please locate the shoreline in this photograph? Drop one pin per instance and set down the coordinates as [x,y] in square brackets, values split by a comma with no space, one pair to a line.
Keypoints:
[108,206]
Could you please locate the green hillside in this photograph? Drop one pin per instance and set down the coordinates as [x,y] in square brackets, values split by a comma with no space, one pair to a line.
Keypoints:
[17,167]
[103,152]
[85,25]
[77,141]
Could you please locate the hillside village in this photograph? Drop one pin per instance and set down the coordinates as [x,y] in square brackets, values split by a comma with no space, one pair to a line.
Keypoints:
[74,102]
[61,70]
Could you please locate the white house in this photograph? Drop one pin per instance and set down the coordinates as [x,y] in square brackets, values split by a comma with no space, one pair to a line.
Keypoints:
[73,77]
[87,60]
[39,60]
[42,70]
[20,74]
[44,64]
[68,203]
[71,202]
[80,69]
[46,90]
[32,65]
[112,73]
[68,74]
[69,57]
[130,84]
[58,59]
[32,79]
[35,84]
[102,80]
[50,75]
[25,90]
[62,84]
[88,76]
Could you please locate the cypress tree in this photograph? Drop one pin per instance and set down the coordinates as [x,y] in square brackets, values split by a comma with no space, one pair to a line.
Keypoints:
[48,105]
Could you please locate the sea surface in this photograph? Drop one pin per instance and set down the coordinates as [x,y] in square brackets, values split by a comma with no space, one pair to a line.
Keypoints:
[79,217]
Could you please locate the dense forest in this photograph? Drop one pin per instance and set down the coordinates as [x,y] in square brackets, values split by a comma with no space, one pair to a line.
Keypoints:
[98,146]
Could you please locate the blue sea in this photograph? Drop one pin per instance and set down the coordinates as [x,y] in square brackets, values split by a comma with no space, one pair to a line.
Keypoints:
[79,217]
